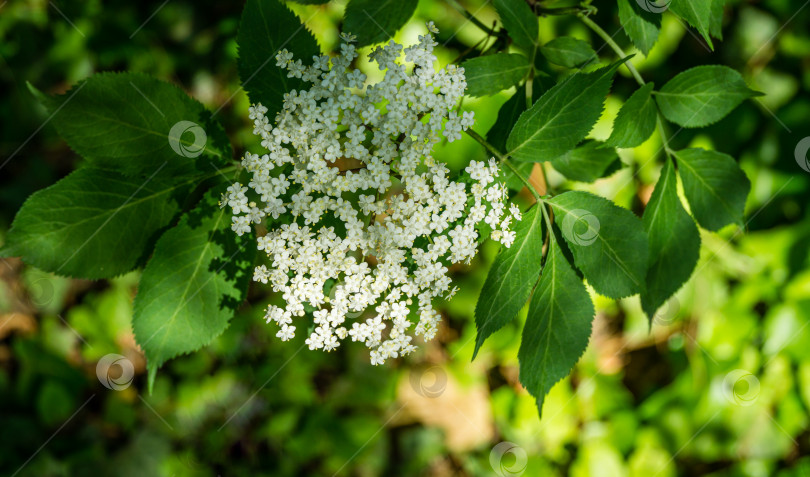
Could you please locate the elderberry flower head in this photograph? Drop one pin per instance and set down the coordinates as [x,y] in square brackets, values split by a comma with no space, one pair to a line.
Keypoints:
[361,216]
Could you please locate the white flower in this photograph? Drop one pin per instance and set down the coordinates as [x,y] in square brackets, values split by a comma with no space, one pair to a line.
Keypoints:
[286,333]
[334,153]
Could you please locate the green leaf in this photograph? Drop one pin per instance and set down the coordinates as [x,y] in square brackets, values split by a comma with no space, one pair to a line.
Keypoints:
[608,242]
[94,223]
[311,2]
[714,185]
[697,13]
[136,124]
[268,26]
[490,74]
[588,162]
[641,26]
[374,21]
[510,112]
[562,117]
[636,120]
[507,117]
[521,23]
[716,23]
[674,242]
[702,95]
[192,285]
[511,278]
[569,52]
[558,326]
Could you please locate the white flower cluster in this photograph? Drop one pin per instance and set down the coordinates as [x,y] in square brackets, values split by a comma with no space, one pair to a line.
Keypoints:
[362,216]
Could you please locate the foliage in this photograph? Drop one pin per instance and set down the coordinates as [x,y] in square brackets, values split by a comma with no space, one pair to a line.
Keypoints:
[611,253]
[112,215]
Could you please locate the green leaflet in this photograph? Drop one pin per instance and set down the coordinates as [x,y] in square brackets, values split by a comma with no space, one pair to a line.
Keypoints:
[702,95]
[507,116]
[510,112]
[716,23]
[569,52]
[674,242]
[697,13]
[94,223]
[497,134]
[562,117]
[641,26]
[136,124]
[374,21]
[636,120]
[521,23]
[714,185]
[192,285]
[558,326]
[268,26]
[608,242]
[588,162]
[487,75]
[511,278]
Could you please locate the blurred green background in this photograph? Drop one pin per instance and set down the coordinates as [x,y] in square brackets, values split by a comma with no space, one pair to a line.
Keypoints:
[719,386]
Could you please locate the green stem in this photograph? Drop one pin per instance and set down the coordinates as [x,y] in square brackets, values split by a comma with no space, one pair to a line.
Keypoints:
[529,87]
[489,147]
[546,216]
[523,179]
[615,46]
[618,50]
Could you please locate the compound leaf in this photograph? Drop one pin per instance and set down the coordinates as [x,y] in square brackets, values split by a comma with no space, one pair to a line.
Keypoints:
[268,26]
[558,326]
[94,223]
[588,162]
[674,242]
[702,95]
[641,26]
[521,23]
[192,285]
[569,52]
[374,21]
[562,117]
[511,278]
[608,242]
[636,120]
[490,74]
[136,124]
[714,185]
